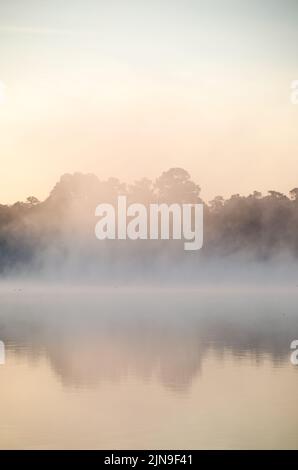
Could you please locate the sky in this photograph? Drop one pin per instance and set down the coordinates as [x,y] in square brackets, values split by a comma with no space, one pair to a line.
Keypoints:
[130,88]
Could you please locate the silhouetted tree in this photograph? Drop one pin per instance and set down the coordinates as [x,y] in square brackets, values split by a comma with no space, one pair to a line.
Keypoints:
[294,194]
[175,185]
[257,226]
[32,200]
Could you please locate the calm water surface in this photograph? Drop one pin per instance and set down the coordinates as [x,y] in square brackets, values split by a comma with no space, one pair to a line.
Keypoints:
[147,369]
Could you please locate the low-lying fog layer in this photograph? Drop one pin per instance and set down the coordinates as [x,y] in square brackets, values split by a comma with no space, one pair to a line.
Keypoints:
[246,238]
[162,272]
[90,335]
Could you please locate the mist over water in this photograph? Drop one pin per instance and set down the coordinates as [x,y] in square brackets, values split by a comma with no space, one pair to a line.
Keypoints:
[149,327]
[140,344]
[119,330]
[113,367]
[250,239]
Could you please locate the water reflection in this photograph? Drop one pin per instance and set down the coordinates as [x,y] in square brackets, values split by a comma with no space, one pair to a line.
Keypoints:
[95,336]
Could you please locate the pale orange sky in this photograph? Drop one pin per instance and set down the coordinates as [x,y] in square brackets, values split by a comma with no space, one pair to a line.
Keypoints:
[129,89]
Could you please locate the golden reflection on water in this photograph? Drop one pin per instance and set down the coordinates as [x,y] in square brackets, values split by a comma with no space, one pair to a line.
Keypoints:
[166,371]
[232,403]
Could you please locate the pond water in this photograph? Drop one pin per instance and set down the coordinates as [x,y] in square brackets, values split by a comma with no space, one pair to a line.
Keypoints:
[147,368]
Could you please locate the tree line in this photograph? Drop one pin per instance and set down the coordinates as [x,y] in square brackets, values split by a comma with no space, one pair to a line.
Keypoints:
[258,226]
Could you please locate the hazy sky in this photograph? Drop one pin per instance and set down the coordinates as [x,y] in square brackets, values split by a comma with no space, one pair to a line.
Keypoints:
[129,88]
